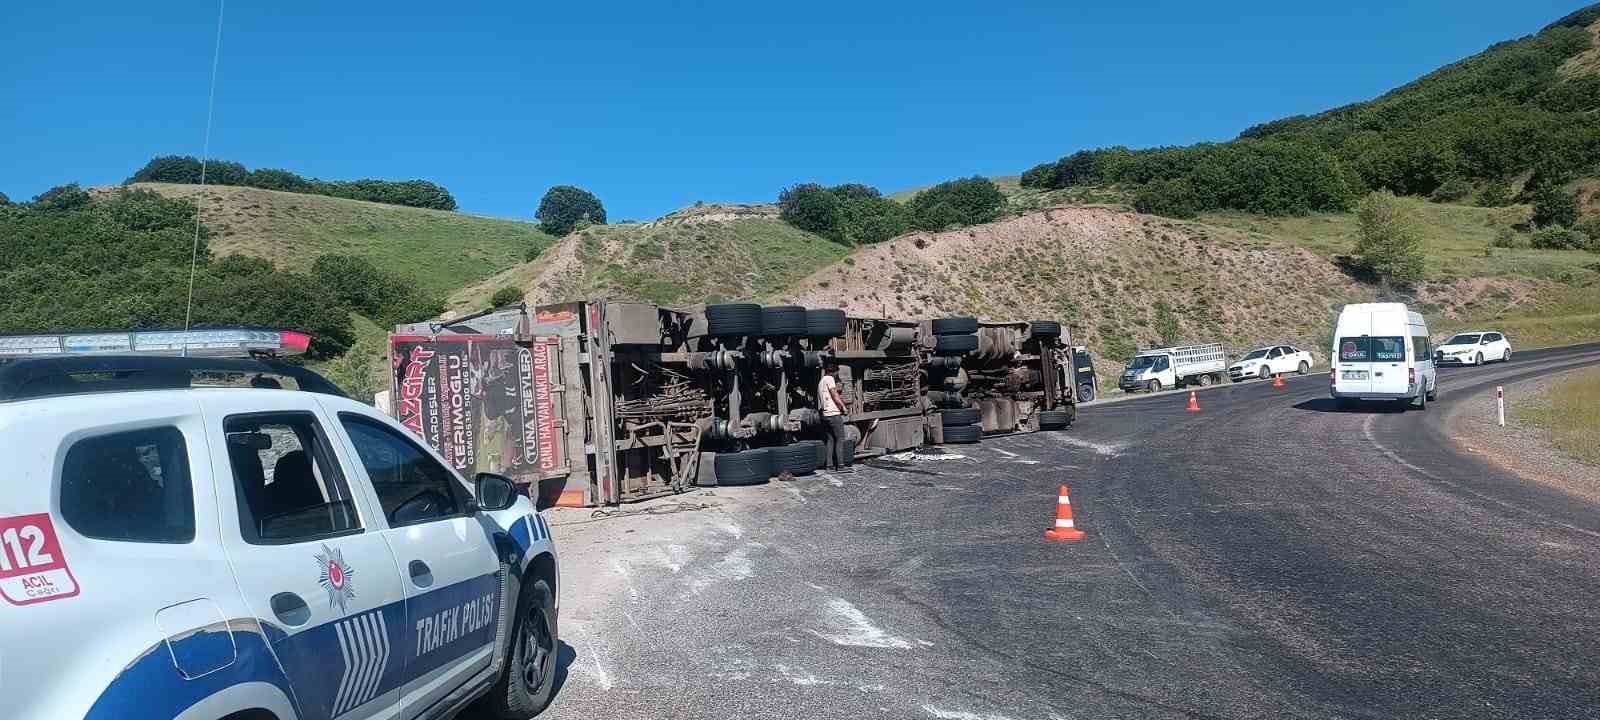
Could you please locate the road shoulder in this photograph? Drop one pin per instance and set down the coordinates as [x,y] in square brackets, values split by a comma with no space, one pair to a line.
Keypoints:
[1521,447]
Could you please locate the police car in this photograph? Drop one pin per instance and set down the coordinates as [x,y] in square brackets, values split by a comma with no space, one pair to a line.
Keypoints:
[208,537]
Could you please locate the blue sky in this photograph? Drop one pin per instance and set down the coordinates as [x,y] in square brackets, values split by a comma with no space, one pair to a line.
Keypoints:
[655,105]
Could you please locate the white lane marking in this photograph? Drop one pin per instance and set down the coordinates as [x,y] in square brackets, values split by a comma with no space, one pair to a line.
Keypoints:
[944,714]
[855,629]
[1107,449]
[1006,453]
[834,481]
[926,457]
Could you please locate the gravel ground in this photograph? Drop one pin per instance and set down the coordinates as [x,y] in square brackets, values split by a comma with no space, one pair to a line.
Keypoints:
[1521,447]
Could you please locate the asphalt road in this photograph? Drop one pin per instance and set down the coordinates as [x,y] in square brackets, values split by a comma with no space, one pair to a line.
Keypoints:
[1267,557]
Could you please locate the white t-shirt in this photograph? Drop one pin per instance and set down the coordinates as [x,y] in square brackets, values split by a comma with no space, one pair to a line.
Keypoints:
[829,407]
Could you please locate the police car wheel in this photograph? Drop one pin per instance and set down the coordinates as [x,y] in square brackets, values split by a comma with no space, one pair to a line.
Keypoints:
[530,675]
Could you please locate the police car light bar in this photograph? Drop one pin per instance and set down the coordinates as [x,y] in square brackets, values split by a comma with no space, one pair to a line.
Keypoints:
[216,343]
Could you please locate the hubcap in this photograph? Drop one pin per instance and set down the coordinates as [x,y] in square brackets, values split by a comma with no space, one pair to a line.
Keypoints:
[535,651]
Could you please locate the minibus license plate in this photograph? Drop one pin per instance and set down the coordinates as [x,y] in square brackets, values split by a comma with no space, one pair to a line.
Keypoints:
[1354,375]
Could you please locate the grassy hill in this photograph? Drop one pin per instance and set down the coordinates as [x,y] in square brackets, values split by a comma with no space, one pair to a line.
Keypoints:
[440,251]
[702,254]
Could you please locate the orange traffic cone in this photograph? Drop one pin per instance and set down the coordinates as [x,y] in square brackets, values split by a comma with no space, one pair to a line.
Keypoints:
[1194,403]
[1277,380]
[1064,529]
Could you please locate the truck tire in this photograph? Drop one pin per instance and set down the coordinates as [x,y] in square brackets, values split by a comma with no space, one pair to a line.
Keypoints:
[746,467]
[962,434]
[825,323]
[1154,386]
[730,319]
[955,326]
[779,320]
[799,458]
[1205,380]
[1085,393]
[955,344]
[529,678]
[1054,419]
[945,398]
[822,453]
[959,416]
[1044,328]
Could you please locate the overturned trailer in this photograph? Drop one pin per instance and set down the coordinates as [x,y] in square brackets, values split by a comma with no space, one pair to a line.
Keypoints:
[603,402]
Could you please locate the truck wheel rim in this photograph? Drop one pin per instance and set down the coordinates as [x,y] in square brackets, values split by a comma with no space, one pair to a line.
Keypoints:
[536,649]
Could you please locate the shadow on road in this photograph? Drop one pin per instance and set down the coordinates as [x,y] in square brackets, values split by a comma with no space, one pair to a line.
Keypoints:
[565,657]
[1354,407]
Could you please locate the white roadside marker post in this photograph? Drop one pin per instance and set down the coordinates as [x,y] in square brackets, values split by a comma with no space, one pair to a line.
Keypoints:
[1500,403]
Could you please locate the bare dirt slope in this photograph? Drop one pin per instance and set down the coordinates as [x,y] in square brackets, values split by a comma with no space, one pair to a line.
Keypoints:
[1102,269]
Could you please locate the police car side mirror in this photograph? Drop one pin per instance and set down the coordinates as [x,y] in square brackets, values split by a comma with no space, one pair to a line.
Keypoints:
[495,492]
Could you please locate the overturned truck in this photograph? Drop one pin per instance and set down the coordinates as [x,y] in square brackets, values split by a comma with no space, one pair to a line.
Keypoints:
[604,402]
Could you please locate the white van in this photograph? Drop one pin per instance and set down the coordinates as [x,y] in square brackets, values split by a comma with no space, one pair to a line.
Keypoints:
[1381,352]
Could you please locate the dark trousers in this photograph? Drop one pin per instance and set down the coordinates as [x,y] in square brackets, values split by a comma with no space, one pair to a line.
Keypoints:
[838,441]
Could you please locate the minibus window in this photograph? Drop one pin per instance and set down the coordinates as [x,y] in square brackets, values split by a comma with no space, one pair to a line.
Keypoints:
[1372,349]
[1388,349]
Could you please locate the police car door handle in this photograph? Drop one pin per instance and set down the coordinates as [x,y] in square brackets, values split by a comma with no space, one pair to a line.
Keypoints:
[290,608]
[421,574]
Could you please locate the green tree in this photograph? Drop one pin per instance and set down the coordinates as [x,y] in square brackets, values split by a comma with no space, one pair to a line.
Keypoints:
[1553,205]
[274,179]
[968,201]
[181,169]
[812,208]
[62,198]
[1388,242]
[1167,324]
[1556,237]
[1496,194]
[505,296]
[1451,190]
[564,206]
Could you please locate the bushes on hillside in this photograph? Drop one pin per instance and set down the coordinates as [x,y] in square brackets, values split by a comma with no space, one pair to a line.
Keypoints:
[1485,119]
[186,170]
[1173,198]
[379,295]
[849,214]
[61,197]
[1553,205]
[565,206]
[1388,242]
[1496,194]
[505,296]
[968,201]
[1452,190]
[122,262]
[1556,237]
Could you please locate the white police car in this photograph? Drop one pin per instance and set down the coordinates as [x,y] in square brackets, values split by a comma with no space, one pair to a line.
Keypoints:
[169,549]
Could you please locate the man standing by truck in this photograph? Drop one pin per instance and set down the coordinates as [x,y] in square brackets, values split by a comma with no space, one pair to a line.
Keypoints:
[833,407]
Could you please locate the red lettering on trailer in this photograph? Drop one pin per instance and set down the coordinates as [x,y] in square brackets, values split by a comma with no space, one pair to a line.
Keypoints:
[411,390]
[544,406]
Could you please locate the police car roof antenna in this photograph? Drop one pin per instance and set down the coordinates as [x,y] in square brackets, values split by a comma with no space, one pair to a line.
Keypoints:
[205,153]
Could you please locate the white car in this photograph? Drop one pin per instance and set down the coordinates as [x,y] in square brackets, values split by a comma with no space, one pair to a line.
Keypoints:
[1473,348]
[177,540]
[1266,362]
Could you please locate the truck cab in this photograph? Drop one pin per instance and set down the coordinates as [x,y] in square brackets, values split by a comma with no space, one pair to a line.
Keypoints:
[1088,384]
[200,537]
